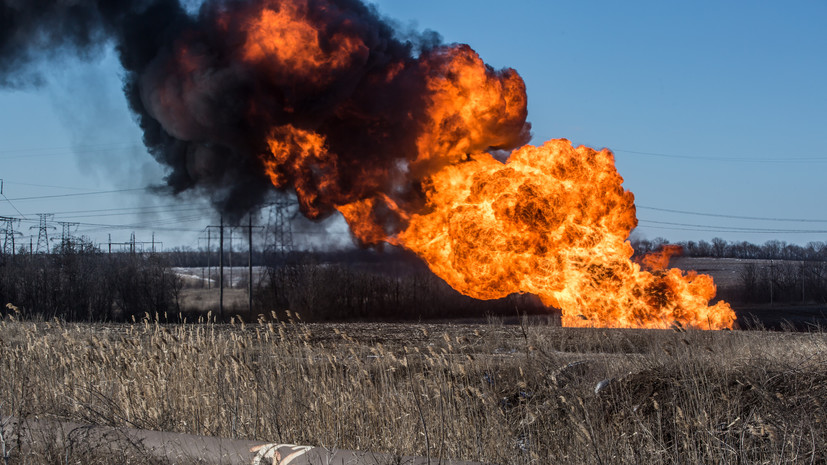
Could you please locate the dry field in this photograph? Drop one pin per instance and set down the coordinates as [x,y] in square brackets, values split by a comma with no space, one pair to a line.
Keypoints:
[505,394]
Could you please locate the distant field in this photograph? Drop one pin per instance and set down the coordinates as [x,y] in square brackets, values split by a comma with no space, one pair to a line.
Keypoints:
[725,271]
[727,275]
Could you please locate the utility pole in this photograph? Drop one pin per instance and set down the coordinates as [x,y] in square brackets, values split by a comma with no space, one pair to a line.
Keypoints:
[221,261]
[772,278]
[201,257]
[250,228]
[250,265]
[221,268]
[209,268]
[220,228]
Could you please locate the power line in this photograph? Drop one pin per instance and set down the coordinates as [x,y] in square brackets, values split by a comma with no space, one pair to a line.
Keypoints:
[70,147]
[12,205]
[156,226]
[9,201]
[668,228]
[726,159]
[60,151]
[712,228]
[47,185]
[144,212]
[737,217]
[80,194]
[150,207]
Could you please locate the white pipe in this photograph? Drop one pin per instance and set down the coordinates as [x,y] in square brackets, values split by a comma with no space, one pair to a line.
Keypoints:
[187,448]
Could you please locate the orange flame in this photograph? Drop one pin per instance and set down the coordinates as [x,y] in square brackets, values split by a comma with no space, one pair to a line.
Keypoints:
[284,35]
[657,261]
[551,221]
[471,108]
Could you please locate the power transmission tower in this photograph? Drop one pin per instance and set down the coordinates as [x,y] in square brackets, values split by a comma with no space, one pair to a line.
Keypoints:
[66,235]
[9,234]
[43,232]
[279,223]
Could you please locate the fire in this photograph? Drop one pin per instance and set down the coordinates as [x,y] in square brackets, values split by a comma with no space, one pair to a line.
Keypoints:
[288,37]
[551,220]
[293,151]
[660,260]
[403,135]
[471,108]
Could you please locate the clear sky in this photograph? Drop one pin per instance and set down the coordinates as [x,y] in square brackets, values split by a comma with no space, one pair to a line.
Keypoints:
[716,112]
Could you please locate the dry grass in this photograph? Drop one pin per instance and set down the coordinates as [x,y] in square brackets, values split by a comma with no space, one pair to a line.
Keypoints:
[500,394]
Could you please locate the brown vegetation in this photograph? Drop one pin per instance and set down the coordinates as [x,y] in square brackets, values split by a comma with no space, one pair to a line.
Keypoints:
[499,394]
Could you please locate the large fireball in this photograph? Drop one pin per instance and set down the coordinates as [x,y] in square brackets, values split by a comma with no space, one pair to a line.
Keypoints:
[553,221]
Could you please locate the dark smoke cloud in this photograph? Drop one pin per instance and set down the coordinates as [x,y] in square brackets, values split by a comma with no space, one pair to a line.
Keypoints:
[206,114]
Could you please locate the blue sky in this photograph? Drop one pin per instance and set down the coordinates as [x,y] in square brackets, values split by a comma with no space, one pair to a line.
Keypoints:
[716,111]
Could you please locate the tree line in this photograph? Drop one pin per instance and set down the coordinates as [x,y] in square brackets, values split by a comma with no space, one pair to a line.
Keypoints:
[79,281]
[720,248]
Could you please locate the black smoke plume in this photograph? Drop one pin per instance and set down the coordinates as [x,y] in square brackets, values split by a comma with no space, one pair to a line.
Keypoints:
[208,110]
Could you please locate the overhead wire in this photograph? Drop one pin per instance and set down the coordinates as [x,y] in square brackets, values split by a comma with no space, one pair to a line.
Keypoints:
[147,207]
[713,228]
[54,196]
[66,150]
[47,185]
[145,212]
[737,217]
[12,205]
[726,158]
[70,147]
